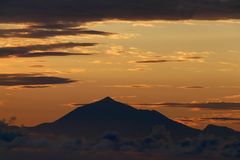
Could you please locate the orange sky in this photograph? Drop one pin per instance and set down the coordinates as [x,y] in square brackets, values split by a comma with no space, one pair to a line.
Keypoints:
[141,62]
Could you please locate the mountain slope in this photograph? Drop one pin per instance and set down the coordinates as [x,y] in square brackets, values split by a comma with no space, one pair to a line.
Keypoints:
[220,131]
[94,119]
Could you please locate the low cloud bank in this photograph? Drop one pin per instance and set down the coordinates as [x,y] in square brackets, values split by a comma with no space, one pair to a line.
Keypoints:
[15,143]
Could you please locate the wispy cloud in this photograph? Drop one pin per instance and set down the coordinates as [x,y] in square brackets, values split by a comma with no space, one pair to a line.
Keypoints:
[42,50]
[32,80]
[139,86]
[37,66]
[178,57]
[207,105]
[193,87]
[233,96]
[223,119]
[154,86]
[49,30]
[159,61]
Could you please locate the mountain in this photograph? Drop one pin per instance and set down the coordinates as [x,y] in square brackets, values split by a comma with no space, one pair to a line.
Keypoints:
[220,131]
[92,120]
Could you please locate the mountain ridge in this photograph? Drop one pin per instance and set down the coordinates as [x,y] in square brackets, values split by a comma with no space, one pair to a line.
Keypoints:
[92,120]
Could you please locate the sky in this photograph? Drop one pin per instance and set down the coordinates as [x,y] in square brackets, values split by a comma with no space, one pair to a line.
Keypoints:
[180,58]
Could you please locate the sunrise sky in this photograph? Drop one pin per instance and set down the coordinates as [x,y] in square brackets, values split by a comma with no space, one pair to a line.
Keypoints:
[48,67]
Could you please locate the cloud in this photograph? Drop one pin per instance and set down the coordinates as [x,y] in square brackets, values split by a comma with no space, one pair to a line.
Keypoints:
[154,86]
[223,119]
[37,66]
[42,50]
[44,54]
[159,144]
[233,96]
[193,87]
[35,86]
[218,119]
[16,143]
[180,56]
[49,30]
[136,69]
[193,55]
[91,10]
[139,86]
[32,80]
[116,50]
[207,105]
[159,61]
[73,105]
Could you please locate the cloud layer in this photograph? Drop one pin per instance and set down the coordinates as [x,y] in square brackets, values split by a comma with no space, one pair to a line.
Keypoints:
[78,10]
[16,144]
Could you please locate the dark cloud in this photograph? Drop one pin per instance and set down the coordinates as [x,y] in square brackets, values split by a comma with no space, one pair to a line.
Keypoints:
[32,80]
[223,119]
[90,10]
[44,54]
[63,17]
[49,30]
[193,57]
[209,105]
[159,61]
[35,86]
[42,50]
[183,59]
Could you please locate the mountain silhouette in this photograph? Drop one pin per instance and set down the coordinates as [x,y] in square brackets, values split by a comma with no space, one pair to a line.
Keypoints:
[220,131]
[92,120]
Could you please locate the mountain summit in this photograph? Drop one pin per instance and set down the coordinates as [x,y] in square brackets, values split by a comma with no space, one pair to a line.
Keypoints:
[107,99]
[93,119]
[106,103]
